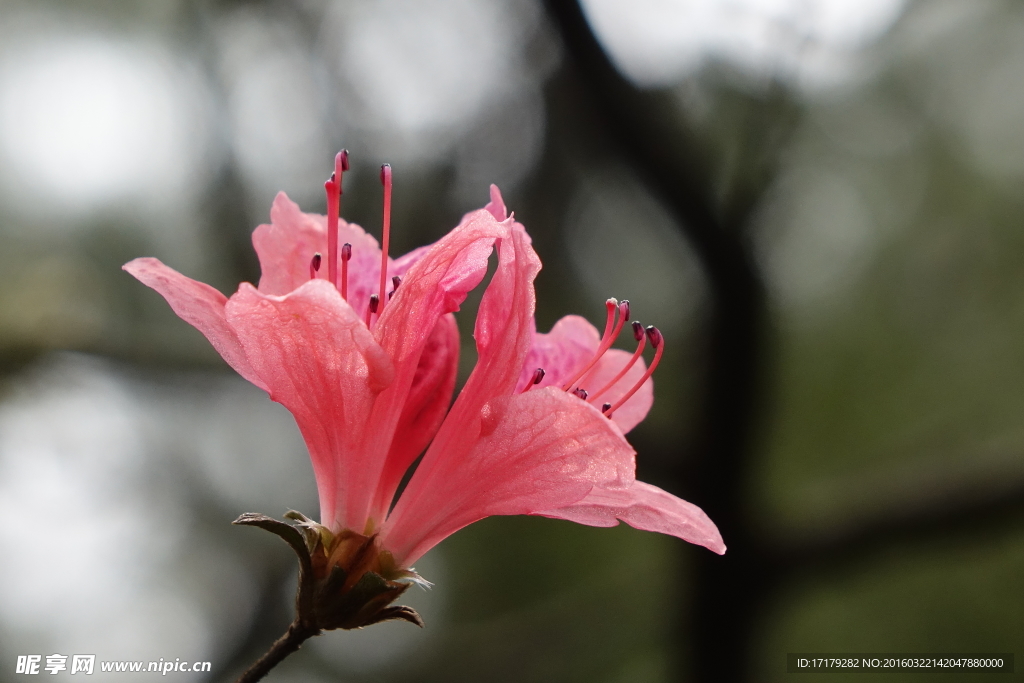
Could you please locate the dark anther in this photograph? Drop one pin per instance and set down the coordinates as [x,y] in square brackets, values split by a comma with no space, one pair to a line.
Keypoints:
[638,330]
[315,263]
[346,251]
[396,280]
[582,393]
[538,375]
[624,308]
[374,302]
[654,334]
[606,407]
[344,160]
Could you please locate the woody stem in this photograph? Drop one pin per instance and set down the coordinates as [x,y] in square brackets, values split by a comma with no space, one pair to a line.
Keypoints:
[291,641]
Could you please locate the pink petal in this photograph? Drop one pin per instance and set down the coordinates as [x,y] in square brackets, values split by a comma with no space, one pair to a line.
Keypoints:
[527,452]
[499,453]
[429,398]
[435,285]
[401,265]
[201,306]
[646,507]
[496,206]
[320,362]
[632,412]
[570,345]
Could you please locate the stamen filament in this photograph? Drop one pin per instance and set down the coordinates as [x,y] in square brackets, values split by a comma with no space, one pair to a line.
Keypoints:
[538,376]
[658,342]
[623,317]
[638,334]
[371,308]
[607,339]
[346,256]
[334,191]
[385,179]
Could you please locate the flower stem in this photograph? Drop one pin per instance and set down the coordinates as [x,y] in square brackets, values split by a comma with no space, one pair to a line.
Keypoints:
[291,641]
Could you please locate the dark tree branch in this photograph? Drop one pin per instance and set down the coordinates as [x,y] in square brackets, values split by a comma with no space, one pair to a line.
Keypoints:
[728,592]
[645,132]
[290,642]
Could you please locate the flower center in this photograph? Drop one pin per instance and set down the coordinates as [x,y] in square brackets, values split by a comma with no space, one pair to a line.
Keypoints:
[334,191]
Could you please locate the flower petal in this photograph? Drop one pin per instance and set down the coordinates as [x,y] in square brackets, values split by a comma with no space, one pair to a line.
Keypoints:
[435,285]
[319,361]
[496,206]
[429,398]
[646,507]
[527,451]
[570,344]
[201,306]
[632,412]
[499,453]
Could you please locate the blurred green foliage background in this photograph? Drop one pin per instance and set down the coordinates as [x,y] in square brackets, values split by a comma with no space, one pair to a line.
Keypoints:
[879,144]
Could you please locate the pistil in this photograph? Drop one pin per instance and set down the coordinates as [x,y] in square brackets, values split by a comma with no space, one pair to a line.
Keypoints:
[385,180]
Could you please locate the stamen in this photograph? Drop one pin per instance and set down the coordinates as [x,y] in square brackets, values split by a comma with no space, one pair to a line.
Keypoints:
[314,265]
[333,188]
[396,280]
[385,180]
[609,306]
[582,393]
[658,342]
[538,375]
[346,256]
[606,407]
[638,334]
[372,308]
[607,339]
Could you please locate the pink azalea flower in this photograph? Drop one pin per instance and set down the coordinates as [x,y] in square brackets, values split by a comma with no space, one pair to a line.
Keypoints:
[369,375]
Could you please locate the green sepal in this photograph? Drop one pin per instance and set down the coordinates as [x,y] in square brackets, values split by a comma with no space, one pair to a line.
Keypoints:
[362,604]
[291,535]
[331,601]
